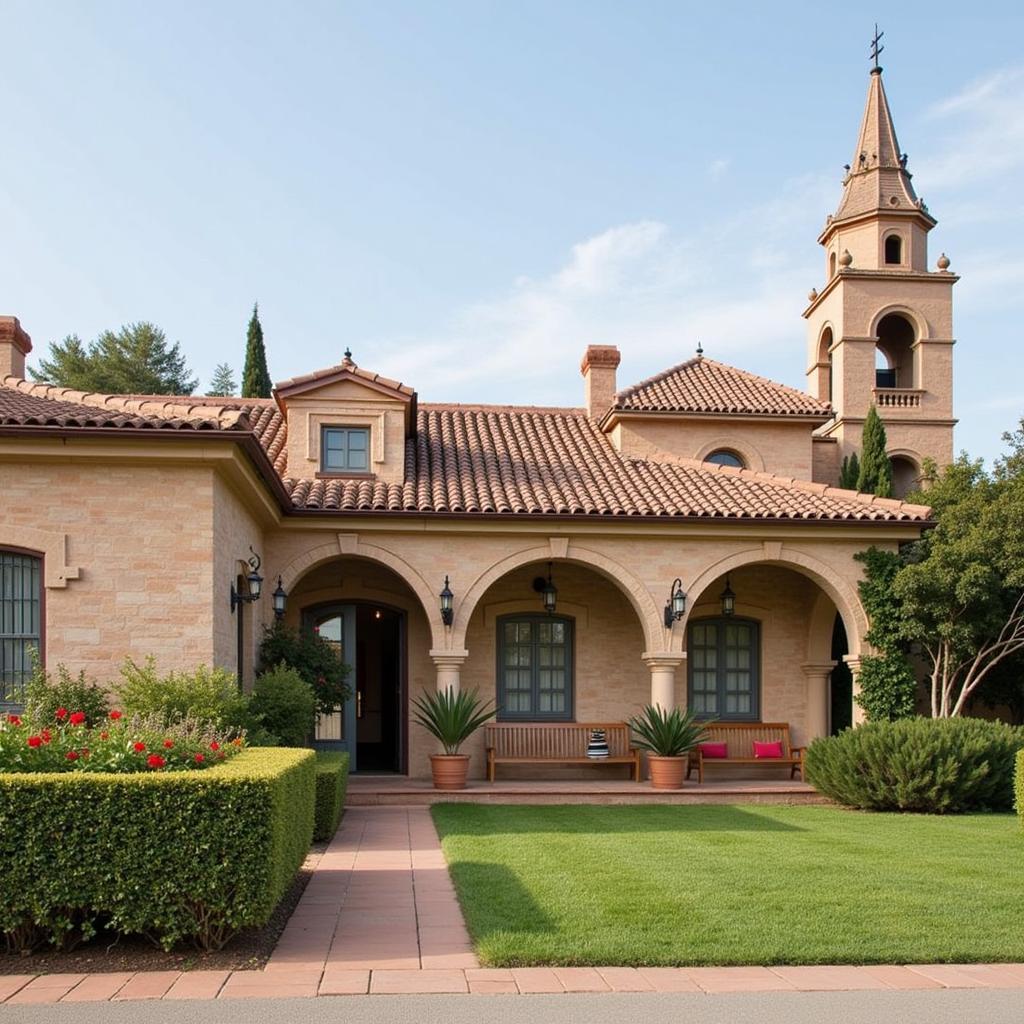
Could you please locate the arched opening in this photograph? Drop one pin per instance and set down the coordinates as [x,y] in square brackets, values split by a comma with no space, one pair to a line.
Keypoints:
[373,618]
[725,457]
[832,264]
[894,250]
[773,659]
[906,476]
[840,682]
[825,364]
[894,355]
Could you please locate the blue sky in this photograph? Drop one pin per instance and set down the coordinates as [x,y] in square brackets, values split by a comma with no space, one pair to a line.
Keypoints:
[469,193]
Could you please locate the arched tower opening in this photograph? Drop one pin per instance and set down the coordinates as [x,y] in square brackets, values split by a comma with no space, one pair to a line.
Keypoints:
[894,353]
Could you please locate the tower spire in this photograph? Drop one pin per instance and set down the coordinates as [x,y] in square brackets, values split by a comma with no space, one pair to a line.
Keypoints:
[877,179]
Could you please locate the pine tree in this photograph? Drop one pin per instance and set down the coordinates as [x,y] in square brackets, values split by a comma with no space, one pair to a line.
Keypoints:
[222,383]
[255,376]
[850,472]
[875,467]
[134,361]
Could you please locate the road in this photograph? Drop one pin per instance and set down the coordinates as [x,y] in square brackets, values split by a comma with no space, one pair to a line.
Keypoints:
[960,1006]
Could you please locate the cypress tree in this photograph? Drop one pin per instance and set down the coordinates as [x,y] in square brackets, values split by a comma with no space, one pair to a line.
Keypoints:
[255,376]
[850,472]
[875,468]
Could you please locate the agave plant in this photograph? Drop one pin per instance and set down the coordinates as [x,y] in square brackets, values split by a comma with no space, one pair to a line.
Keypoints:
[451,717]
[667,733]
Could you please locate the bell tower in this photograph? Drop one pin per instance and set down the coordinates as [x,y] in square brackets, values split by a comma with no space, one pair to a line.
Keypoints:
[880,330]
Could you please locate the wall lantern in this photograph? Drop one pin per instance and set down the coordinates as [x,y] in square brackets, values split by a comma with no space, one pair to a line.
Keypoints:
[447,608]
[280,600]
[728,598]
[550,594]
[675,606]
[254,583]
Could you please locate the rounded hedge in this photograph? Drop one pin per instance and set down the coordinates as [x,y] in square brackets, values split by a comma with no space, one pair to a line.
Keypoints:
[928,765]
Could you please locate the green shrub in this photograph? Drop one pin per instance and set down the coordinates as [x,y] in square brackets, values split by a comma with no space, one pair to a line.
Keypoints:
[1018,785]
[331,784]
[44,696]
[315,660]
[285,705]
[888,688]
[211,695]
[935,766]
[173,856]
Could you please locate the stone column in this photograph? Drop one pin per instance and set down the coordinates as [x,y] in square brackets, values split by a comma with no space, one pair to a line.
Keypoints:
[817,676]
[449,665]
[859,718]
[663,677]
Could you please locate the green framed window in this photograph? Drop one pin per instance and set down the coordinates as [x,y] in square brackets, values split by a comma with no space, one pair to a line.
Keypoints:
[20,622]
[535,668]
[724,666]
[345,450]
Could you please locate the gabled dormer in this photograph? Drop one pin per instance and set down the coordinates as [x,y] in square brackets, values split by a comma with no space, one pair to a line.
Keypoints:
[345,422]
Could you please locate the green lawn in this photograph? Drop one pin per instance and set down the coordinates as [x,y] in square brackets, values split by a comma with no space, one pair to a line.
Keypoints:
[734,885]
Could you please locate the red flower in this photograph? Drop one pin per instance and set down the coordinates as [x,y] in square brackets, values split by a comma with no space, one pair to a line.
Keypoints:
[115,715]
[199,759]
[104,735]
[14,719]
[62,713]
[77,718]
[35,741]
[85,751]
[139,747]
[168,744]
[155,761]
[45,735]
[215,745]
[72,755]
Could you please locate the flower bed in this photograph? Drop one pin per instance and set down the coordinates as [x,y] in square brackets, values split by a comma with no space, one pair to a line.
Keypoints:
[174,852]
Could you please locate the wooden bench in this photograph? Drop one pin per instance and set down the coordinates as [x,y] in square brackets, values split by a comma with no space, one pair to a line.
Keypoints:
[740,737]
[556,743]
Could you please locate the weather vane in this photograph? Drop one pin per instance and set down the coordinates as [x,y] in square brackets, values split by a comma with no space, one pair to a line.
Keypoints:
[875,48]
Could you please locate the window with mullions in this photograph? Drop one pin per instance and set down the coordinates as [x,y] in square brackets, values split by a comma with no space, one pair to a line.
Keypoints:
[20,622]
[724,657]
[535,668]
[345,450]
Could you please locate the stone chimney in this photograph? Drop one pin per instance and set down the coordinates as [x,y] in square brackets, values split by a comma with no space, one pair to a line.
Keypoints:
[598,369]
[15,344]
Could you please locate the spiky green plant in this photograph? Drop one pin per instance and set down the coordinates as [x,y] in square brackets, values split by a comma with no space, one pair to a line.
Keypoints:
[667,733]
[451,717]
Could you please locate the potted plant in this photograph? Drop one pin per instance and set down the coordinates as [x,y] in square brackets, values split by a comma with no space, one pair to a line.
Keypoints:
[668,737]
[451,718]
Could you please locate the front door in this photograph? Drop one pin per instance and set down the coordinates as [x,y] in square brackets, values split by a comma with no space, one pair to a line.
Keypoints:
[337,625]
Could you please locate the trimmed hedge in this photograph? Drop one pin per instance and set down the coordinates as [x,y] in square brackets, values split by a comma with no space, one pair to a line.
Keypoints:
[1018,785]
[331,784]
[185,855]
[929,765]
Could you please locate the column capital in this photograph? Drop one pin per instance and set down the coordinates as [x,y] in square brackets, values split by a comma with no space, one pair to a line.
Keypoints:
[817,668]
[663,659]
[853,661]
[448,659]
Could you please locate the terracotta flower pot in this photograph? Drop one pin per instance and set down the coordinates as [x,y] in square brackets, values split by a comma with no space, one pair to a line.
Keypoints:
[667,772]
[450,770]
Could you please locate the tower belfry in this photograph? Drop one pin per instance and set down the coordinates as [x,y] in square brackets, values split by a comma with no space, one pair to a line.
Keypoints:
[880,330]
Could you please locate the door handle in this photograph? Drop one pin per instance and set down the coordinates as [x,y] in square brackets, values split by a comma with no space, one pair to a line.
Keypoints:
[359,703]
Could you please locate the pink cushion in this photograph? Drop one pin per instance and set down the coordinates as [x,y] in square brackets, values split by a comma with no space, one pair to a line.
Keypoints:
[768,749]
[714,749]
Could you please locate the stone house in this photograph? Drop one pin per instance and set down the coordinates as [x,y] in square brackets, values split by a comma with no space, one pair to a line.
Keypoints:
[127,523]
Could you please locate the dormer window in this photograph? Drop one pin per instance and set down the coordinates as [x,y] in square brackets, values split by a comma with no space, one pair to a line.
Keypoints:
[345,450]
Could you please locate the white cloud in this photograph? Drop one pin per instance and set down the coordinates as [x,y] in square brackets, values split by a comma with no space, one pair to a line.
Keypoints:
[718,168]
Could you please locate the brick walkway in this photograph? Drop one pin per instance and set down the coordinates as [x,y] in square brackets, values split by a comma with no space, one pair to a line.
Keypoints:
[380,916]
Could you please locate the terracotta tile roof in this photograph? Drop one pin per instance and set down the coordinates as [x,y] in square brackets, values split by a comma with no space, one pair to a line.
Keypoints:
[345,368]
[511,460]
[702,385]
[476,460]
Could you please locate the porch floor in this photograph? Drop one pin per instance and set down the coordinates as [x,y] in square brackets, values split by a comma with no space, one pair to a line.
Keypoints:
[400,790]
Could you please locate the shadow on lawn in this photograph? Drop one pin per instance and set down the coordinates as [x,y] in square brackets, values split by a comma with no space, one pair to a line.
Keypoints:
[494,819]
[508,904]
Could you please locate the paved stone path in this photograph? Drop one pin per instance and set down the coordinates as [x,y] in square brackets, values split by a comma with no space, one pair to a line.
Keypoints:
[380,916]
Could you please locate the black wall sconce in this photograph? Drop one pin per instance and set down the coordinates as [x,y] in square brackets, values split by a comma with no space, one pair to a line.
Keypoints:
[728,598]
[547,590]
[675,606]
[447,604]
[280,597]
[254,583]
